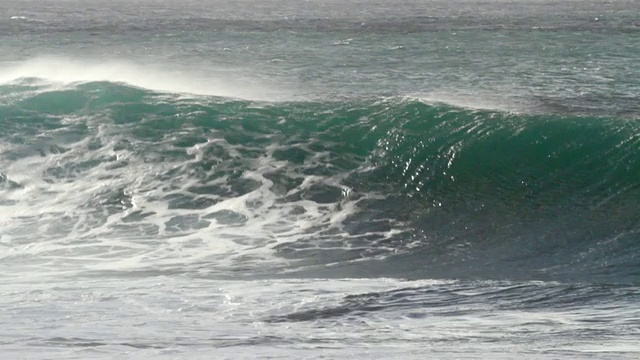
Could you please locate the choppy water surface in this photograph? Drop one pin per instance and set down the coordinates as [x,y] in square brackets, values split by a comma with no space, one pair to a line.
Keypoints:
[319,179]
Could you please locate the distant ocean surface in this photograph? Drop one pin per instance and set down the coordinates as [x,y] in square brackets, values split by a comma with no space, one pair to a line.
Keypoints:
[319,179]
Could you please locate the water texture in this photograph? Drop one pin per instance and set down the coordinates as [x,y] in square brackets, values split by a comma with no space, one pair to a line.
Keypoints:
[313,179]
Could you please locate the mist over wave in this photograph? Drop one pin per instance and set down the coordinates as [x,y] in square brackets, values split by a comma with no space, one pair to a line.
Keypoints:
[203,81]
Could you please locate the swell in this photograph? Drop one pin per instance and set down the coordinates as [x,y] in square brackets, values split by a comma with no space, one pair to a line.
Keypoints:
[385,187]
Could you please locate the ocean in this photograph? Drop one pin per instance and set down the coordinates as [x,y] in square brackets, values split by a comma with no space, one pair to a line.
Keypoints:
[319,179]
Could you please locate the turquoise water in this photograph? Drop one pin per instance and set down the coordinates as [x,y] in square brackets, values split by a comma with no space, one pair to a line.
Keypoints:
[319,179]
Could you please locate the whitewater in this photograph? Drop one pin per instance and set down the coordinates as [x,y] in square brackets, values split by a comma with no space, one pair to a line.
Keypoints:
[319,179]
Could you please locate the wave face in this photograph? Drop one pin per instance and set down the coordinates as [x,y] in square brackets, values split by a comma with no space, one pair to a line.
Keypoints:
[102,176]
